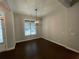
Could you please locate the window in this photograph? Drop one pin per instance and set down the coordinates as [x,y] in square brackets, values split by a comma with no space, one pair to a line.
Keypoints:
[1,32]
[29,27]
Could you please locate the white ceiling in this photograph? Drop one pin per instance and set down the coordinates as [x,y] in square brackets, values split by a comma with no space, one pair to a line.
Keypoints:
[1,0]
[28,6]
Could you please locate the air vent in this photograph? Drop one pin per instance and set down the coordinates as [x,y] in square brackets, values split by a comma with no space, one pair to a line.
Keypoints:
[68,3]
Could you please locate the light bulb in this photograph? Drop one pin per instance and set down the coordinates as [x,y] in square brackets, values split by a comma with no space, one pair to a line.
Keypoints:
[36,21]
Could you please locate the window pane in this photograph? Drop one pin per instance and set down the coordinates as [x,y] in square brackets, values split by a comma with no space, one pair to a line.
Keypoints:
[27,28]
[1,34]
[33,28]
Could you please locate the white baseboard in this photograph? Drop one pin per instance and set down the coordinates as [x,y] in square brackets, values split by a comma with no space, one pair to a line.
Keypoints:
[27,40]
[10,48]
[3,50]
[74,50]
[7,49]
[23,40]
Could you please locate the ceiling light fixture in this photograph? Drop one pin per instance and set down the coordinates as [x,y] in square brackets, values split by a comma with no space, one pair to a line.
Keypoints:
[36,20]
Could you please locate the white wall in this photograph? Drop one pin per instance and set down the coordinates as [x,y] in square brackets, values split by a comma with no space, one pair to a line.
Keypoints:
[62,26]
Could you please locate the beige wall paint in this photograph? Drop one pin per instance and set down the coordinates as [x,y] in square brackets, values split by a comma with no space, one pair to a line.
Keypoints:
[9,38]
[62,26]
[19,27]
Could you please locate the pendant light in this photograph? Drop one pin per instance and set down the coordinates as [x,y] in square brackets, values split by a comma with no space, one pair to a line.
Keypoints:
[36,18]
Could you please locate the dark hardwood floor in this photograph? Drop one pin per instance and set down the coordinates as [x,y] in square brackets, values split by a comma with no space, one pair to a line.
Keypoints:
[39,49]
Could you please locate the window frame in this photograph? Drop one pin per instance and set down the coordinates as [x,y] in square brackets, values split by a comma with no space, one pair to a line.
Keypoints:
[29,20]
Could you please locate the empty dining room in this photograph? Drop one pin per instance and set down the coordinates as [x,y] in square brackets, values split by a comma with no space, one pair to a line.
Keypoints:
[39,29]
